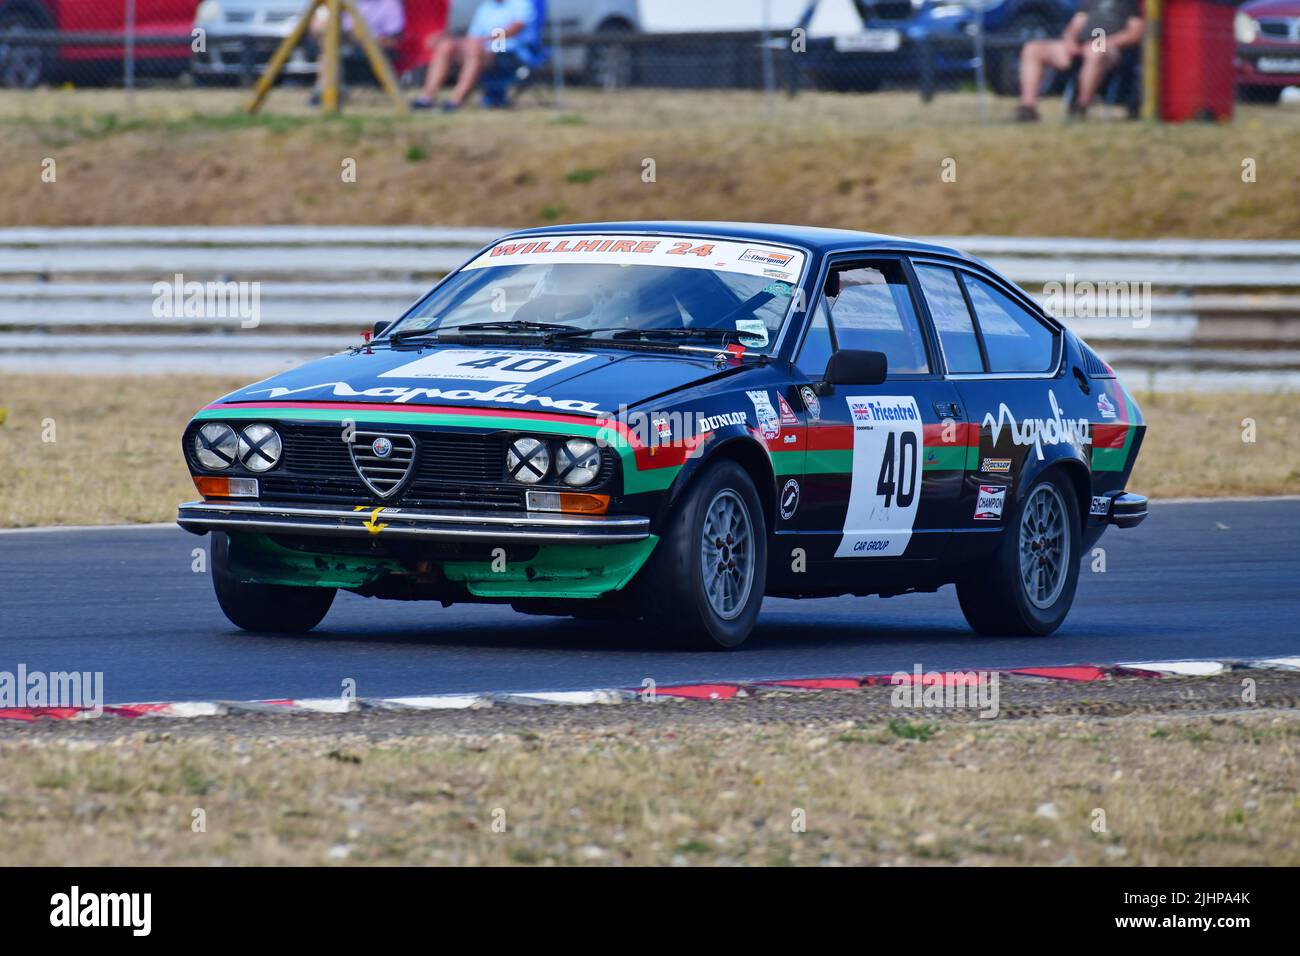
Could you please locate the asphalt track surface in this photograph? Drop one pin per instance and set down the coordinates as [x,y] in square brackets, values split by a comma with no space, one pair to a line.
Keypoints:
[1209,580]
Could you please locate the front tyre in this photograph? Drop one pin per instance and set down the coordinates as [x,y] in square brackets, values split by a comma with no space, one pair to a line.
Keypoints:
[1029,585]
[268,608]
[704,583]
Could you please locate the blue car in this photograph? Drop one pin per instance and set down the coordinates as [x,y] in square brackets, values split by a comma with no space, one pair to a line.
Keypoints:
[666,421]
[930,41]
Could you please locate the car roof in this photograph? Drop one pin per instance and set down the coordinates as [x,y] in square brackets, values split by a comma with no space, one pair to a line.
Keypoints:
[817,239]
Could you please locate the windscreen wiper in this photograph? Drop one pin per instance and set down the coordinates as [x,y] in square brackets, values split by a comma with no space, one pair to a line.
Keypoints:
[622,332]
[503,325]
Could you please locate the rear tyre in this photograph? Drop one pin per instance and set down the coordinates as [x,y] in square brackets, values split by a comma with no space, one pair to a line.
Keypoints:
[703,585]
[1028,586]
[1259,94]
[268,608]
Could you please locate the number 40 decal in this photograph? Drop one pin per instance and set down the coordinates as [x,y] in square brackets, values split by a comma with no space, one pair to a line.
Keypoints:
[898,469]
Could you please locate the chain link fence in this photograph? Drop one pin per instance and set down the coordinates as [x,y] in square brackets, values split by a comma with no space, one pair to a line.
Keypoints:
[1196,57]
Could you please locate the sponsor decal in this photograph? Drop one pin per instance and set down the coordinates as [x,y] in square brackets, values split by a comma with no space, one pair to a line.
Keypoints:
[753,332]
[769,425]
[1038,431]
[1100,505]
[789,499]
[513,394]
[767,257]
[811,402]
[790,439]
[1105,407]
[608,249]
[782,289]
[714,422]
[996,466]
[885,492]
[488,365]
[663,428]
[788,417]
[989,502]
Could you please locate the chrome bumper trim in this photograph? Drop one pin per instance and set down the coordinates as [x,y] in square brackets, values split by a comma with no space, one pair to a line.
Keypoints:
[199,517]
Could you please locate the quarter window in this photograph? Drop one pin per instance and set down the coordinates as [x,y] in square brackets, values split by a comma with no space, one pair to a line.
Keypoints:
[961,349]
[1013,338]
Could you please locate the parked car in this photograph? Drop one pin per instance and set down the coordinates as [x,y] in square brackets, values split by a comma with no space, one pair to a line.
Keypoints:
[1268,49]
[241,36]
[898,35]
[25,66]
[668,421]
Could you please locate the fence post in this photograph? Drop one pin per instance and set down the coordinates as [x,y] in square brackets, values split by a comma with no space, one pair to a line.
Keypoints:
[769,67]
[557,62]
[128,65]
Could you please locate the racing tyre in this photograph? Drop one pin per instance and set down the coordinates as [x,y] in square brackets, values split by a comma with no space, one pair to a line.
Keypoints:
[703,585]
[1028,586]
[269,608]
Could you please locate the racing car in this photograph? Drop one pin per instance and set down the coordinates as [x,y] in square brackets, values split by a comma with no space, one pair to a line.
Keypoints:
[666,421]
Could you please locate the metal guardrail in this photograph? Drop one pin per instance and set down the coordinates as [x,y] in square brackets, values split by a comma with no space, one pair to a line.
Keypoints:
[326,279]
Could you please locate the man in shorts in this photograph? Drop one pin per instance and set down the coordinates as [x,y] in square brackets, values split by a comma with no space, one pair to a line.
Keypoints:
[1095,37]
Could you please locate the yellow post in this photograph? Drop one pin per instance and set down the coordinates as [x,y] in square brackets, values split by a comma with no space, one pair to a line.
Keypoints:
[281,56]
[378,60]
[329,99]
[1151,62]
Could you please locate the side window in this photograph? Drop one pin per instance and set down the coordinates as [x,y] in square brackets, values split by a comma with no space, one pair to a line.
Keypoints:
[871,308]
[1014,339]
[817,346]
[961,349]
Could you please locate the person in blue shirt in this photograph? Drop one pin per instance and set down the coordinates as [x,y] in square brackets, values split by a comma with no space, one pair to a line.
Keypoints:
[494,31]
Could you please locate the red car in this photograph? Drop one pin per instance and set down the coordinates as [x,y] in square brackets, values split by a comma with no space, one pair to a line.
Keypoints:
[25,65]
[1268,49]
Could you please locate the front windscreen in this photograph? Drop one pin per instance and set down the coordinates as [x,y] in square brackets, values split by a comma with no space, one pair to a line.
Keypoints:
[614,283]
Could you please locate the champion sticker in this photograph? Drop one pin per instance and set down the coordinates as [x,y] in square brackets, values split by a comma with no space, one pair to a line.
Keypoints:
[488,365]
[988,505]
[769,425]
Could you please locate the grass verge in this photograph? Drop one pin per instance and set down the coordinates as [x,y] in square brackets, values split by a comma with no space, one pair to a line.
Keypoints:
[788,779]
[875,162]
[115,454]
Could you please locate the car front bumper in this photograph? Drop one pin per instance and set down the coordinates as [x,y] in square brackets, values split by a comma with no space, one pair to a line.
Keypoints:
[199,517]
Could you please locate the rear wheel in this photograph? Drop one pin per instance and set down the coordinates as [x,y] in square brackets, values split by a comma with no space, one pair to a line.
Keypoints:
[270,608]
[1029,585]
[704,583]
[1259,94]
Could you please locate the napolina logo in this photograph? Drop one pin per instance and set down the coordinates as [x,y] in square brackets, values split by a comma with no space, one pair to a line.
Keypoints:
[1039,431]
[503,394]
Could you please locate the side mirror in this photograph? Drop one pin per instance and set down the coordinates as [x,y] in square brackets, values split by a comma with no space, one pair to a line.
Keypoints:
[856,367]
[379,329]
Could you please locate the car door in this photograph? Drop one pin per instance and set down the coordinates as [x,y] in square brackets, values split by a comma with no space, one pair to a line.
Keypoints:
[998,354]
[883,466]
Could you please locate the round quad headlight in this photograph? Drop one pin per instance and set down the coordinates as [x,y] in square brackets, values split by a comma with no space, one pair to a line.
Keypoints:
[578,462]
[259,447]
[528,460]
[215,446]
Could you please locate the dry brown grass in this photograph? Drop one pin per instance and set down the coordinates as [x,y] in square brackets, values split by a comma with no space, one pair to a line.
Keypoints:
[870,162]
[1184,790]
[116,455]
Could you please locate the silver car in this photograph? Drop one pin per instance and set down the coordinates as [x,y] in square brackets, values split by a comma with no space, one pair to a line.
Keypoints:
[241,35]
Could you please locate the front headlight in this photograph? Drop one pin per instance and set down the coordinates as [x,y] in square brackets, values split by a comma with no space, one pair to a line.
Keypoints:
[528,460]
[578,462]
[1245,27]
[215,446]
[259,448]
[209,11]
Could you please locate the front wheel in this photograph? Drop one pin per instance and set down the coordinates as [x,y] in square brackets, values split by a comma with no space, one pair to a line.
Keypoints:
[269,608]
[1029,585]
[704,583]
